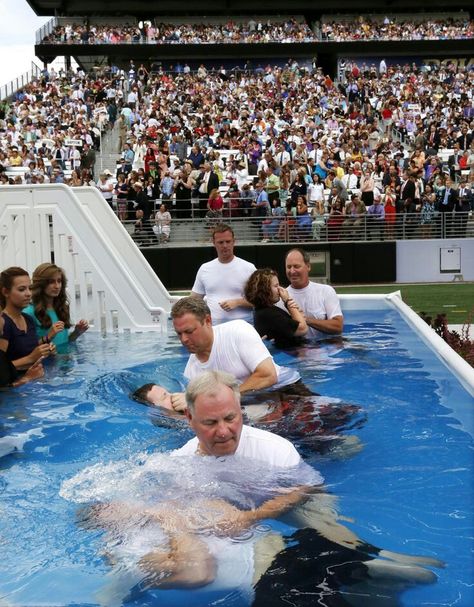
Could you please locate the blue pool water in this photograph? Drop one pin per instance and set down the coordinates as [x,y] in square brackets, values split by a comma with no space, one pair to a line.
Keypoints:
[408,490]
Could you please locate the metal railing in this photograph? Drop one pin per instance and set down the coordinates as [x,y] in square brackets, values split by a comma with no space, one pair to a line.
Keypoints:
[288,229]
[116,22]
[9,89]
[45,30]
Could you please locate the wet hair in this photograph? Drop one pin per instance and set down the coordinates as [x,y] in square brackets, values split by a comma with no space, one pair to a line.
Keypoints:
[258,290]
[222,227]
[141,394]
[304,254]
[208,383]
[191,305]
[7,278]
[42,276]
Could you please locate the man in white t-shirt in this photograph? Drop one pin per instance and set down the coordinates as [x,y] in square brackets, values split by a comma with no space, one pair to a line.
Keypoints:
[319,303]
[234,347]
[221,281]
[214,414]
[188,537]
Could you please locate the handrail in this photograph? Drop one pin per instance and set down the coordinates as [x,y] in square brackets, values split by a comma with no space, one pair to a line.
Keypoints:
[9,89]
[190,225]
[111,284]
[45,29]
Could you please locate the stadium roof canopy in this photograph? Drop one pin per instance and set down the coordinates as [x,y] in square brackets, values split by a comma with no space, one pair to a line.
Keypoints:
[146,8]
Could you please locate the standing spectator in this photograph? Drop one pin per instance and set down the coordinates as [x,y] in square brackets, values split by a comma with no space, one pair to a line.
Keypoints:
[427,211]
[390,207]
[106,187]
[59,154]
[179,147]
[206,182]
[214,208]
[354,213]
[167,186]
[376,219]
[367,186]
[75,157]
[247,196]
[304,222]
[446,201]
[122,130]
[196,157]
[88,158]
[121,196]
[461,209]
[183,186]
[162,227]
[335,219]
[465,139]
[128,156]
[271,225]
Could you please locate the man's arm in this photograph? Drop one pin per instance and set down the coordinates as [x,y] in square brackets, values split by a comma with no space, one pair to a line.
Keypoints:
[264,376]
[194,294]
[230,304]
[332,326]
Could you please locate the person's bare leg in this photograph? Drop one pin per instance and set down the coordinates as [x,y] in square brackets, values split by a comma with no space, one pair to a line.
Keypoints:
[265,550]
[187,564]
[319,513]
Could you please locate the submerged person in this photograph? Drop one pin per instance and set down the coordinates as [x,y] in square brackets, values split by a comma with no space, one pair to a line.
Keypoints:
[315,422]
[285,327]
[50,306]
[214,414]
[187,554]
[153,394]
[19,340]
[158,397]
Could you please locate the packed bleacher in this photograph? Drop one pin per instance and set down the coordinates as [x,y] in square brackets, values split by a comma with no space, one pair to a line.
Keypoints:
[258,30]
[294,154]
[233,31]
[396,27]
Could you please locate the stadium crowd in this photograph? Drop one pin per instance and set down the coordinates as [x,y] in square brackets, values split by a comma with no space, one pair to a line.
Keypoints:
[235,31]
[287,143]
[390,28]
[146,32]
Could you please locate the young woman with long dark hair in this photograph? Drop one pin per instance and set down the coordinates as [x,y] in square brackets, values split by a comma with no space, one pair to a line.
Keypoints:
[50,306]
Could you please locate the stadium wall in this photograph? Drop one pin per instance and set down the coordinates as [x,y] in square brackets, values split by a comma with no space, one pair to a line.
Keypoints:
[435,260]
[368,262]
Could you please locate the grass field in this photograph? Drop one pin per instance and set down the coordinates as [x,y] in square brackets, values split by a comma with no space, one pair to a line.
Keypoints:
[454,299]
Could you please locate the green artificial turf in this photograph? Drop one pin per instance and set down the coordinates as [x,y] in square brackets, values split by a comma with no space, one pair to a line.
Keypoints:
[454,299]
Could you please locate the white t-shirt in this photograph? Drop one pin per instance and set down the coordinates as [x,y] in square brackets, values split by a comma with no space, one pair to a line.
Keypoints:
[257,445]
[317,301]
[238,349]
[221,281]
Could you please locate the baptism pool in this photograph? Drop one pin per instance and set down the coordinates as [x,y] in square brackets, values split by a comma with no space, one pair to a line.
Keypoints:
[76,436]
